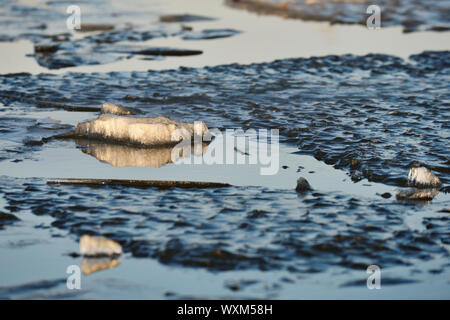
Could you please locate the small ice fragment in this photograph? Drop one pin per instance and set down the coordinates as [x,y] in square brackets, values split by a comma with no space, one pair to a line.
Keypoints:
[91,246]
[423,178]
[32,141]
[47,120]
[118,110]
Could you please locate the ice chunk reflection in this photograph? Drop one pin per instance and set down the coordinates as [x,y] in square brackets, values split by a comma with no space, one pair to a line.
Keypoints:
[129,156]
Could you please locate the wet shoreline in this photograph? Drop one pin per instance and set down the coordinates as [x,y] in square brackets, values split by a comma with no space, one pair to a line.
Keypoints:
[351,124]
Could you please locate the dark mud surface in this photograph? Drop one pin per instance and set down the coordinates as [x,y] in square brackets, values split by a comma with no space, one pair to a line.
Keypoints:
[238,228]
[413,15]
[373,116]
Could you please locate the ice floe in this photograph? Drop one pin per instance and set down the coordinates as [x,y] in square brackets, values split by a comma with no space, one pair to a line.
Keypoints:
[421,177]
[159,131]
[94,246]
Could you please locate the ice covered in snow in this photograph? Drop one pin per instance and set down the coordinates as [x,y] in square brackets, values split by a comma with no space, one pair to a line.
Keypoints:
[93,246]
[422,178]
[157,131]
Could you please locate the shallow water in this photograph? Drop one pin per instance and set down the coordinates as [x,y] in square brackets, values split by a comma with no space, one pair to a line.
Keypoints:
[317,104]
[351,125]
[262,39]
[69,160]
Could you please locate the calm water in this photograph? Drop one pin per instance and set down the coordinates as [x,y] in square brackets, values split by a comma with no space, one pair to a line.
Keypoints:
[352,125]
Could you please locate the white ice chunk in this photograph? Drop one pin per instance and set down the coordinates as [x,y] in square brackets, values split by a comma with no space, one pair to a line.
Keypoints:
[99,246]
[422,178]
[139,131]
